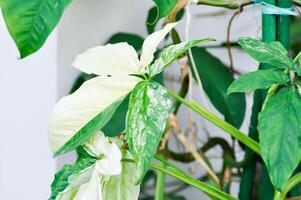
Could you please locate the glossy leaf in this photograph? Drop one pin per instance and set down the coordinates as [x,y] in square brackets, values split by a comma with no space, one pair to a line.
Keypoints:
[30,22]
[261,79]
[171,53]
[280,135]
[164,7]
[149,108]
[122,187]
[135,41]
[97,123]
[216,78]
[62,178]
[273,53]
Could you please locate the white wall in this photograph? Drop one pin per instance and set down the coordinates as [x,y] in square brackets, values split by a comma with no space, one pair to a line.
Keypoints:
[27,95]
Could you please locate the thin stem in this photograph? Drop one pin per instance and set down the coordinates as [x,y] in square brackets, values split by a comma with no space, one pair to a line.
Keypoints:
[160,183]
[228,39]
[180,175]
[226,4]
[219,123]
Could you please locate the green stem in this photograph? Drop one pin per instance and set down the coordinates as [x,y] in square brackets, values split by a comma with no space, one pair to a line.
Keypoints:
[180,175]
[291,183]
[226,3]
[160,183]
[234,132]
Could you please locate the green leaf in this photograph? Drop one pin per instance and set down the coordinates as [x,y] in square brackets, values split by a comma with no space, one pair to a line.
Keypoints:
[171,53]
[134,40]
[216,78]
[30,22]
[122,186]
[81,78]
[164,7]
[151,21]
[280,137]
[117,123]
[149,108]
[97,123]
[62,178]
[273,53]
[261,79]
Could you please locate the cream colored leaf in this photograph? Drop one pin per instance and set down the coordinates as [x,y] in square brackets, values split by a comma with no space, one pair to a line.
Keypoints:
[118,59]
[151,43]
[73,112]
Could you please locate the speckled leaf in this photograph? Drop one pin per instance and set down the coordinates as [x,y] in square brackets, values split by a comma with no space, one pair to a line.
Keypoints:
[273,53]
[280,135]
[122,186]
[171,53]
[62,178]
[31,21]
[261,79]
[164,7]
[149,108]
[216,78]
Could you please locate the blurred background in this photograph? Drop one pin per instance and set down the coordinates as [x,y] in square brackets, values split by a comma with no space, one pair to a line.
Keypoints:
[30,87]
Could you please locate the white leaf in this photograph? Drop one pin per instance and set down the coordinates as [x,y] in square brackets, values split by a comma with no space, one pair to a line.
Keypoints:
[112,59]
[151,43]
[73,112]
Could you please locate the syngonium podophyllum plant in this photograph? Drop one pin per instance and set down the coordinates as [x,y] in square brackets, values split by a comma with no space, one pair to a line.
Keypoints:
[77,119]
[114,164]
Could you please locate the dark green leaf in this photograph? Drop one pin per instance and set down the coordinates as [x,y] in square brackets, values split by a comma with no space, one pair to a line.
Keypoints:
[261,79]
[81,78]
[164,7]
[134,40]
[31,21]
[151,21]
[97,123]
[171,53]
[273,53]
[61,180]
[149,108]
[280,135]
[216,78]
[117,123]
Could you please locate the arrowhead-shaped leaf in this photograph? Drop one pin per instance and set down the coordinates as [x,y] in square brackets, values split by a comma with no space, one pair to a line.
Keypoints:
[171,53]
[280,135]
[261,79]
[31,21]
[273,53]
[149,108]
